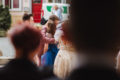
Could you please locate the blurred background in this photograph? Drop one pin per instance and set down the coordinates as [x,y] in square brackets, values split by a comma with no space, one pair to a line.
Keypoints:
[12,11]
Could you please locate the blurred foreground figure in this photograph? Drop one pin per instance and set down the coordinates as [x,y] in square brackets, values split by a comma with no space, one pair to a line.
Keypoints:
[118,62]
[95,34]
[66,60]
[26,40]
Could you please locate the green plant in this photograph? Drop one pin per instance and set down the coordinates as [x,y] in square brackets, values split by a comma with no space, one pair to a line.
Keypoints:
[5,18]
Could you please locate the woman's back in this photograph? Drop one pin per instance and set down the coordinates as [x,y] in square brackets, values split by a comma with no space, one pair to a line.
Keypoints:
[66,60]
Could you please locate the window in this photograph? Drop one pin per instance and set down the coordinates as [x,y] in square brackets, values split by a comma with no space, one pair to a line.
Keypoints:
[63,1]
[50,1]
[68,1]
[57,1]
[36,1]
[14,5]
[8,3]
[0,2]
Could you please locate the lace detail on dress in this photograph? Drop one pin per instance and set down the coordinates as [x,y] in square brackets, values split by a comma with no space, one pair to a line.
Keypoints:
[66,45]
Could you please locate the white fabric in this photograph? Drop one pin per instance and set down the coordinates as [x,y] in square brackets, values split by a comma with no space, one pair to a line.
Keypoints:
[58,32]
[66,60]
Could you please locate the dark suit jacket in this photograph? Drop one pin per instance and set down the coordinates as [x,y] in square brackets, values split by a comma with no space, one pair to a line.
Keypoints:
[23,69]
[91,72]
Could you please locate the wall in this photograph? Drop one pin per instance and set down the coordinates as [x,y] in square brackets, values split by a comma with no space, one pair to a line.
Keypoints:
[17,15]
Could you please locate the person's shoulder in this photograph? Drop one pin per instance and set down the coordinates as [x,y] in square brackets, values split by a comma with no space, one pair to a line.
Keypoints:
[93,74]
[74,75]
[4,72]
[47,73]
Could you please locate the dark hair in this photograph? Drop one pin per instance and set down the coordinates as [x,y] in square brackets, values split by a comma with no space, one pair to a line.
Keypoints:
[26,38]
[52,27]
[27,16]
[95,24]
[53,18]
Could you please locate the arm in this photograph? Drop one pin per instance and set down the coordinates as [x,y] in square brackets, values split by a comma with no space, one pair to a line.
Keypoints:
[45,38]
[58,34]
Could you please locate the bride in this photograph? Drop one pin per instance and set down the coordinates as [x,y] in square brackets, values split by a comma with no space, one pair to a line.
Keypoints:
[66,59]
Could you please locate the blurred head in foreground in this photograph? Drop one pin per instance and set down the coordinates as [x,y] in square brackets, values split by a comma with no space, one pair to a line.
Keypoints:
[95,25]
[95,29]
[26,40]
[66,32]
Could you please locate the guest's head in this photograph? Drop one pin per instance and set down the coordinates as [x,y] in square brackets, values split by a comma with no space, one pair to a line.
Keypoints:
[26,40]
[55,7]
[66,33]
[55,19]
[95,25]
[28,18]
[51,27]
